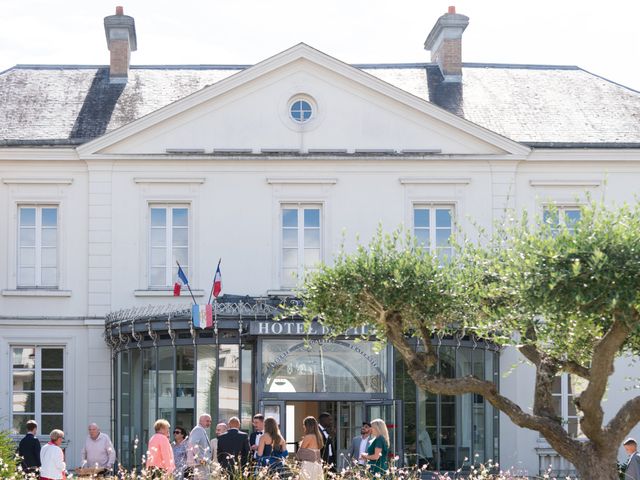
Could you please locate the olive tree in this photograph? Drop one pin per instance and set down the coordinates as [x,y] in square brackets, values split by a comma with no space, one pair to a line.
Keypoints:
[566,296]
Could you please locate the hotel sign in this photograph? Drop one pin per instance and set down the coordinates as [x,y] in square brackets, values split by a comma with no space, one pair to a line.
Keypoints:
[293,328]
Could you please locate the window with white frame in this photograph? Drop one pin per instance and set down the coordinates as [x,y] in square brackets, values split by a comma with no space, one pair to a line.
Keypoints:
[433,227]
[38,387]
[37,246]
[558,217]
[565,388]
[301,241]
[169,243]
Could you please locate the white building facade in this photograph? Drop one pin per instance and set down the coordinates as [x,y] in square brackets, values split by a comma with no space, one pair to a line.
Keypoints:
[108,175]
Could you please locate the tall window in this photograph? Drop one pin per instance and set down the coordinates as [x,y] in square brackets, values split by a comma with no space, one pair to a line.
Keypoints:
[38,387]
[562,216]
[169,240]
[565,388]
[301,244]
[433,226]
[37,246]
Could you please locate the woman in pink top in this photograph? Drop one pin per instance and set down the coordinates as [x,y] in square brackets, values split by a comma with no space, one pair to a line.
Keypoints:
[159,452]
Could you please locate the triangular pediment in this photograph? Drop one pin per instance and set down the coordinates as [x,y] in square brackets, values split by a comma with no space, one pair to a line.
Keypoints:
[352,111]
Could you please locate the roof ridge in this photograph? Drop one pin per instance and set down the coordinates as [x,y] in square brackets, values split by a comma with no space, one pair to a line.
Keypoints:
[219,66]
[529,66]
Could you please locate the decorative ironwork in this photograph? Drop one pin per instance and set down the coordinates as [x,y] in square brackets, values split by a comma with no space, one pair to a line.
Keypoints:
[245,308]
[136,324]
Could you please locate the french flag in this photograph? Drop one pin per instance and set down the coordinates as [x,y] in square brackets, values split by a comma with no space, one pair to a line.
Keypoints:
[202,316]
[182,280]
[217,282]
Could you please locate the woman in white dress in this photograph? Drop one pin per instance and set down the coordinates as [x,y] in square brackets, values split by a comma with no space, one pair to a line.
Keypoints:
[309,451]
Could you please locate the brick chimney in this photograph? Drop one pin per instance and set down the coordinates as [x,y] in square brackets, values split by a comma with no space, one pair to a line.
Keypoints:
[445,43]
[120,30]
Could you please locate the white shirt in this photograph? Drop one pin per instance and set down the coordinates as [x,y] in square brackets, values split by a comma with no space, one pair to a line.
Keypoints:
[52,460]
[364,444]
[325,434]
[425,447]
[257,442]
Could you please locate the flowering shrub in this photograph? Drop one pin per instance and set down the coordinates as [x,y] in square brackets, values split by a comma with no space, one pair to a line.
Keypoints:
[8,459]
[291,471]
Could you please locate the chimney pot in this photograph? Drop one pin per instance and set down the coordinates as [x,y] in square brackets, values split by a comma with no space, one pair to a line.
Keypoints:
[120,30]
[445,43]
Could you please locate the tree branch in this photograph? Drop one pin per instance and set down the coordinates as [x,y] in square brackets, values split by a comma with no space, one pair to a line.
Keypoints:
[574,368]
[546,372]
[621,424]
[530,352]
[590,401]
[426,341]
[419,366]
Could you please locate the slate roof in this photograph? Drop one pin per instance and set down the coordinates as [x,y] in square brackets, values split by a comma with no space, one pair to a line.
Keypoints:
[537,105]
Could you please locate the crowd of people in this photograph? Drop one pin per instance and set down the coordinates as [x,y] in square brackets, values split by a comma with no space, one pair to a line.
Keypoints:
[193,454]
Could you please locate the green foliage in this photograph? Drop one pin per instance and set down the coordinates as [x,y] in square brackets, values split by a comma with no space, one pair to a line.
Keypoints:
[7,454]
[391,274]
[559,288]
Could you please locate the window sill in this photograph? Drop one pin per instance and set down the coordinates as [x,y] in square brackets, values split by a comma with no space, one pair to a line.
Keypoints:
[36,292]
[167,293]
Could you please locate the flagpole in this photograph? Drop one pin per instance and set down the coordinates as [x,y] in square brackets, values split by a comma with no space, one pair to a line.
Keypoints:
[214,280]
[188,286]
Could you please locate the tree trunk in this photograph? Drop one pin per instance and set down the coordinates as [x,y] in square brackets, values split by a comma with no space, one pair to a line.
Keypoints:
[598,467]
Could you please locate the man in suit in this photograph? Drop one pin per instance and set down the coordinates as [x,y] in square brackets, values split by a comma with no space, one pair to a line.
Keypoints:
[233,445]
[328,450]
[199,448]
[29,449]
[258,429]
[359,445]
[221,429]
[633,464]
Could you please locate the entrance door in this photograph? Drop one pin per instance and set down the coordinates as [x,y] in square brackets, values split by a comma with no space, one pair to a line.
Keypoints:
[347,419]
[391,412]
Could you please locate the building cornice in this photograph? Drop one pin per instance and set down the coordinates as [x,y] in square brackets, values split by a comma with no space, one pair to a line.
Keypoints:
[586,155]
[39,154]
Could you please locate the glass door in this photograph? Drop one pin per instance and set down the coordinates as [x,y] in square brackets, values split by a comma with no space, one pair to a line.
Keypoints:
[391,412]
[349,418]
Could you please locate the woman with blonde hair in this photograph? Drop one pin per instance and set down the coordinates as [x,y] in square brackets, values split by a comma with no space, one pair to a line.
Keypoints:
[378,451]
[309,451]
[159,453]
[52,458]
[272,447]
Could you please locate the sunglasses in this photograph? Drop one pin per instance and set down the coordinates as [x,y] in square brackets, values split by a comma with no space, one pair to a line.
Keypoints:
[177,432]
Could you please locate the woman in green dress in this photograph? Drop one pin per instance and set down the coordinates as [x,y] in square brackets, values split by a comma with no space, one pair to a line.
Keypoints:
[378,451]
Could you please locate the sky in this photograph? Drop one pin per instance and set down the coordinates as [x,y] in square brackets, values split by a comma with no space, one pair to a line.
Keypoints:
[600,37]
